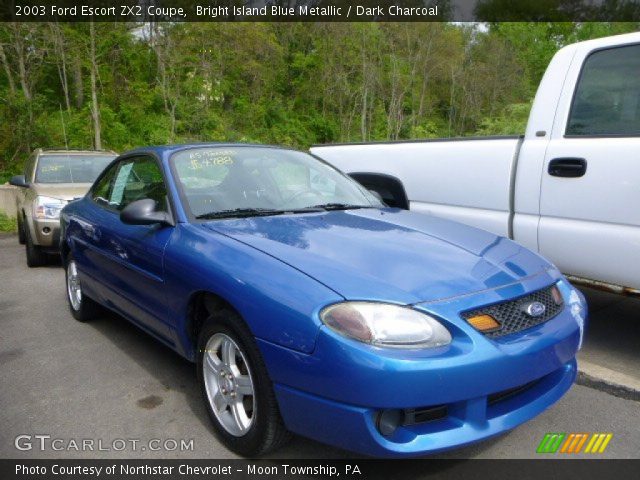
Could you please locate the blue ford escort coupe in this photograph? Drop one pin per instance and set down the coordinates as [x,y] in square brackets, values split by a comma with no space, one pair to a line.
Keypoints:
[311,307]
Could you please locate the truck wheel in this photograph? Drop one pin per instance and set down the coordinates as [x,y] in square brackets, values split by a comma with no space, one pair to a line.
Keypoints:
[35,256]
[236,387]
[82,307]
[21,237]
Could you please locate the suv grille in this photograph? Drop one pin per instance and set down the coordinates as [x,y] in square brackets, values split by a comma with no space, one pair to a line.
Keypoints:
[511,315]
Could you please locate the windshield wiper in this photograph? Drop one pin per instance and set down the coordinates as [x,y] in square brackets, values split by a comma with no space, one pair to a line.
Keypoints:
[340,206]
[241,213]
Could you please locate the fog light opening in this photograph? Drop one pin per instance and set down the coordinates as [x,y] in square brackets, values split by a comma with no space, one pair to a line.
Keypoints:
[388,421]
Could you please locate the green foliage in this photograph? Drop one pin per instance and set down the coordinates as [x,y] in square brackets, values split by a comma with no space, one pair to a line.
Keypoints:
[8,224]
[512,120]
[291,83]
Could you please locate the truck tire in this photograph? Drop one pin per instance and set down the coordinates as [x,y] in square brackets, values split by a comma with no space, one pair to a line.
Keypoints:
[21,236]
[236,384]
[35,256]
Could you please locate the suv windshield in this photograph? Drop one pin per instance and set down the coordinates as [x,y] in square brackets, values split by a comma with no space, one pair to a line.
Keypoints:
[220,182]
[63,168]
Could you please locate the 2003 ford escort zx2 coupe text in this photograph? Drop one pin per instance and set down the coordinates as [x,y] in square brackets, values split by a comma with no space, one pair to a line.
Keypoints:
[311,307]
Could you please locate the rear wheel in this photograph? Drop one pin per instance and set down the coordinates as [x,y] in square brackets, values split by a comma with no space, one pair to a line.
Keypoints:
[236,387]
[82,307]
[35,256]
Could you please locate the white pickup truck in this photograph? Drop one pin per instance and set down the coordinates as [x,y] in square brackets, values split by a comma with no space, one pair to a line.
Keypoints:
[569,188]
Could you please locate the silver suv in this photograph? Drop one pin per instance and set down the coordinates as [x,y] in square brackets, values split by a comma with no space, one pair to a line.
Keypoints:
[51,179]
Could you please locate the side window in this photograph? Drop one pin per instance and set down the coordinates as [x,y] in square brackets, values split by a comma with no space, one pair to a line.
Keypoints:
[102,189]
[131,180]
[607,97]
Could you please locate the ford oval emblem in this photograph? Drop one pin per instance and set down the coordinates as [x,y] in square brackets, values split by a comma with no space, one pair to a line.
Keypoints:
[534,309]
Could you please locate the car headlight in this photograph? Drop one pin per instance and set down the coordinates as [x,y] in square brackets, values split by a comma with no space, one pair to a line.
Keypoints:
[385,325]
[48,208]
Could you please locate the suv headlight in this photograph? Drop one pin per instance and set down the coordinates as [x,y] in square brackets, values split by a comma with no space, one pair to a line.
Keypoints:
[385,325]
[48,208]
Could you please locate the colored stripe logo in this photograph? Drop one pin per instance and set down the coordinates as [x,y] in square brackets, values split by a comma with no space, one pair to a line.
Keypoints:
[574,443]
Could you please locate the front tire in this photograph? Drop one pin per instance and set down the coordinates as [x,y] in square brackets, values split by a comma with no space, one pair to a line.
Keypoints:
[82,307]
[35,256]
[236,387]
[21,236]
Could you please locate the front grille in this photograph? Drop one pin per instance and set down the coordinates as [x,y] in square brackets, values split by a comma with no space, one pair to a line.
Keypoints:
[512,392]
[511,315]
[413,416]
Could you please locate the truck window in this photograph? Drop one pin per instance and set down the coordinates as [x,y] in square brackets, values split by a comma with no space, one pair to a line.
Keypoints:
[607,97]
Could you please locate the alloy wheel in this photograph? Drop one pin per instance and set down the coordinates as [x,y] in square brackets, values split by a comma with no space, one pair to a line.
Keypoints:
[228,384]
[73,286]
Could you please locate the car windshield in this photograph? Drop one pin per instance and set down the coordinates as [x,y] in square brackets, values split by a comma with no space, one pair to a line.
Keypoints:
[75,168]
[222,182]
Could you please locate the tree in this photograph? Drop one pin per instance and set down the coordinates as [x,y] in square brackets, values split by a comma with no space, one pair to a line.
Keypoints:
[124,85]
[95,107]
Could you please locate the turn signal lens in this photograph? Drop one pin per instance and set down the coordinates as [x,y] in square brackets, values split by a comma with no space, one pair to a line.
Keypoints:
[557,296]
[484,323]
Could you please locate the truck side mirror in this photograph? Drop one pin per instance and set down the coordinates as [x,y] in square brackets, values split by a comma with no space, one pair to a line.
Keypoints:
[19,181]
[388,187]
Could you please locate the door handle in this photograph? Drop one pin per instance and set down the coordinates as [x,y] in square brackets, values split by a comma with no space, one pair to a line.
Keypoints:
[567,167]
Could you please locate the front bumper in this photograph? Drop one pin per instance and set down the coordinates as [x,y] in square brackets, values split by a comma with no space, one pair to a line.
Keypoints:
[46,233]
[354,428]
[336,394]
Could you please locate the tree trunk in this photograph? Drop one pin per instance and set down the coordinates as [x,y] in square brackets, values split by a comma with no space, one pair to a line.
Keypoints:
[363,115]
[7,71]
[95,108]
[61,62]
[77,83]
[22,67]
[169,100]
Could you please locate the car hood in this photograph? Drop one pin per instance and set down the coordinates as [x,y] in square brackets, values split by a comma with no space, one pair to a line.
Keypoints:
[387,255]
[64,191]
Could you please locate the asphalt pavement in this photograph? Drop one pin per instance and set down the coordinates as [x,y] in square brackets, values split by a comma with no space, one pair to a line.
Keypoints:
[109,384]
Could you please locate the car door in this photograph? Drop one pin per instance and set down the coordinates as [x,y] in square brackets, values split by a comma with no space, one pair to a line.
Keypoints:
[590,192]
[128,259]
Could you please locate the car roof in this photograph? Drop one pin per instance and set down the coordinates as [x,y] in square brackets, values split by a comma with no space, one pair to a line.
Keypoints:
[41,151]
[167,150]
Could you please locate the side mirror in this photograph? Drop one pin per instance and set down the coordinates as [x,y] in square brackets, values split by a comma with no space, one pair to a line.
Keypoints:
[18,181]
[143,212]
[389,188]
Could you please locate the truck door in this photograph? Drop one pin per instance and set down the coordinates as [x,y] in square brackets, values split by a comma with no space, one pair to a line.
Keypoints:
[590,192]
